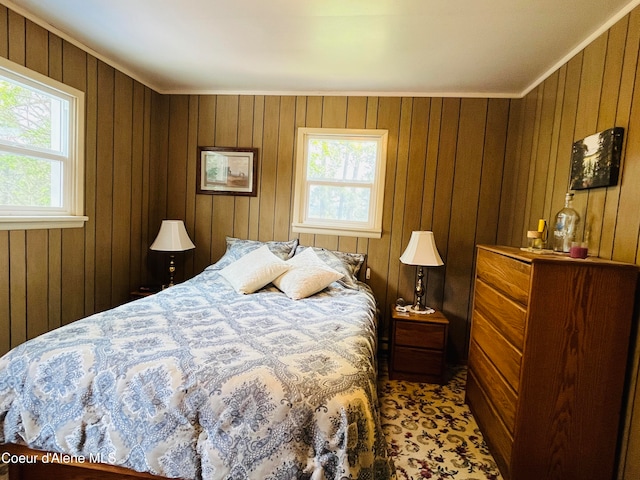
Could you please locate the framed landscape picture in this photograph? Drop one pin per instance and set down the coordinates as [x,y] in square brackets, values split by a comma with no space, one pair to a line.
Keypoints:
[595,160]
[227,170]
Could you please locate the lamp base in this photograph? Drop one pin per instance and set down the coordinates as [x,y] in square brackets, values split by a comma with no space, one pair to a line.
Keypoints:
[172,269]
[417,307]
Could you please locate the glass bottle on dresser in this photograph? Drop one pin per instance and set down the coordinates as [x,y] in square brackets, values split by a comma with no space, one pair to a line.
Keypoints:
[566,226]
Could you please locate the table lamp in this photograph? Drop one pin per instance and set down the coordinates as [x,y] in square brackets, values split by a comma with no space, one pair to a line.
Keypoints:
[172,237]
[422,252]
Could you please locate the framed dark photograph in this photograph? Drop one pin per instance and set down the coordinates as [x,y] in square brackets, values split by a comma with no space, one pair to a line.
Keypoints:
[595,160]
[227,171]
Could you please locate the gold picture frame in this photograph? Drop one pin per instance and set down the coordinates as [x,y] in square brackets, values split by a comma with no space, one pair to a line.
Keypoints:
[227,171]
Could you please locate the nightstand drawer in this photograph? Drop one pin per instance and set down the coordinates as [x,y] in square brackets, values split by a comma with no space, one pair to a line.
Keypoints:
[423,335]
[418,361]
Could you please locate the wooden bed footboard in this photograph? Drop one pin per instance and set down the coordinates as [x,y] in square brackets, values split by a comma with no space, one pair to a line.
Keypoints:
[28,464]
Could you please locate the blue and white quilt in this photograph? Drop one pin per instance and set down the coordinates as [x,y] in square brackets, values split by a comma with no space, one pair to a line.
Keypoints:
[198,381]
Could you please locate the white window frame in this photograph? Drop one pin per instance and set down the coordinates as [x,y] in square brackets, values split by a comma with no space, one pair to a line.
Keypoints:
[71,214]
[301,223]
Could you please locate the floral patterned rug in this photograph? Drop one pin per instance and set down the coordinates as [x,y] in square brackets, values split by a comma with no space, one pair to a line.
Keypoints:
[431,432]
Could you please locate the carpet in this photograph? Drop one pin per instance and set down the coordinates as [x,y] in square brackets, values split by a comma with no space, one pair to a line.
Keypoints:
[430,431]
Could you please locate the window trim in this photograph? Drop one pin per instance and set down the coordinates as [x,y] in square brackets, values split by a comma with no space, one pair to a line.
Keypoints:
[73,216]
[342,228]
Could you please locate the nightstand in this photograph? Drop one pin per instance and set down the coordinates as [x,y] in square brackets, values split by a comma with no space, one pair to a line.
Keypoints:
[143,291]
[418,346]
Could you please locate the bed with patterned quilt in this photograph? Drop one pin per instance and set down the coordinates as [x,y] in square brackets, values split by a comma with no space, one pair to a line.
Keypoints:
[218,377]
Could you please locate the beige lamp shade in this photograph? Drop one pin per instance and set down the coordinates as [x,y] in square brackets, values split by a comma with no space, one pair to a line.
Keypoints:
[422,251]
[172,237]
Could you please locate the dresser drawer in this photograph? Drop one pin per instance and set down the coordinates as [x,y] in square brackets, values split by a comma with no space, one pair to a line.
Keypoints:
[493,430]
[507,316]
[501,396]
[499,351]
[506,274]
[422,335]
[417,361]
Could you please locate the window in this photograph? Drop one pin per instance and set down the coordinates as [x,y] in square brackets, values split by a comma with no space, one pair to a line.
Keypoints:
[41,154]
[340,181]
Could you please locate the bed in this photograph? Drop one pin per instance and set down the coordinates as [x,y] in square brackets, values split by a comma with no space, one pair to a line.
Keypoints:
[203,380]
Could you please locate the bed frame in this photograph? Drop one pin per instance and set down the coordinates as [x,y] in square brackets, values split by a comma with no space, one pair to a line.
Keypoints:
[31,467]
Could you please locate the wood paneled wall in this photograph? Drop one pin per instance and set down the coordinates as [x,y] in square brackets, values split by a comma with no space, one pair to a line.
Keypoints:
[53,277]
[472,170]
[444,173]
[598,89]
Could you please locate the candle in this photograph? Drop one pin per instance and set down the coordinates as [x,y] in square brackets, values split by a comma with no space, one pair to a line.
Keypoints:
[578,250]
[542,225]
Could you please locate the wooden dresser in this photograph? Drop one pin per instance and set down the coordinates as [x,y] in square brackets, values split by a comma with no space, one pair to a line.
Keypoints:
[547,360]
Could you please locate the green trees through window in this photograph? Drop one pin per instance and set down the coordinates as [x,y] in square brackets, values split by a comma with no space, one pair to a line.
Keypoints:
[339,183]
[340,175]
[41,151]
[28,121]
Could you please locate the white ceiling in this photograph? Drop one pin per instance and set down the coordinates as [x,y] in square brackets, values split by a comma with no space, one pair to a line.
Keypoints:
[488,48]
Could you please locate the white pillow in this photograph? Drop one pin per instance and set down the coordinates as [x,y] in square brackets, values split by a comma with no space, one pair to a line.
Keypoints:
[307,276]
[254,270]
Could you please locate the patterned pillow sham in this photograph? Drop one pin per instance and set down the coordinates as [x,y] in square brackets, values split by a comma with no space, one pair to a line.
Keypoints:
[348,264]
[238,248]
